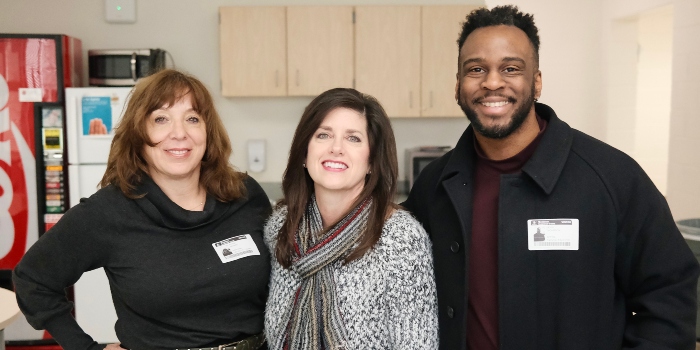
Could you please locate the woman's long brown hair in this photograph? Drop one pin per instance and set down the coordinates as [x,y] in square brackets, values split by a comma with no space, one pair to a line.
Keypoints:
[380,184]
[126,165]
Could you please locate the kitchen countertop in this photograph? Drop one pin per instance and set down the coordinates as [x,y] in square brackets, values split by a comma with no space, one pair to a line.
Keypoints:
[9,310]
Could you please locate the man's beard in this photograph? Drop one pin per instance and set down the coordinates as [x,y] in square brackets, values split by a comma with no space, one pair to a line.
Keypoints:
[498,132]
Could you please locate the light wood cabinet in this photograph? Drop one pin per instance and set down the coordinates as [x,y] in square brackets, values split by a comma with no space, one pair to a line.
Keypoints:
[387,57]
[253,51]
[441,26]
[320,49]
[405,56]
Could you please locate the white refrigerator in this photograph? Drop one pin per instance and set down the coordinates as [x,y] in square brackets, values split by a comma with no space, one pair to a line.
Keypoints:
[91,115]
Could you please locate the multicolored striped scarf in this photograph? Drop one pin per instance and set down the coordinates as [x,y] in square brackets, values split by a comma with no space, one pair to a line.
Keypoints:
[316,322]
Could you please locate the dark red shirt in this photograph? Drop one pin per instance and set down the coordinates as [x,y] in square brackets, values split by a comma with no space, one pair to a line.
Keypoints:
[482,313]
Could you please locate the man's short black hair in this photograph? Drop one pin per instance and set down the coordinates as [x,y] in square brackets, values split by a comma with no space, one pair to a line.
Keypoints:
[501,15]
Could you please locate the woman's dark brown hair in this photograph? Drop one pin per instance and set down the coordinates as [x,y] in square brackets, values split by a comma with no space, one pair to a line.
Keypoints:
[380,184]
[126,165]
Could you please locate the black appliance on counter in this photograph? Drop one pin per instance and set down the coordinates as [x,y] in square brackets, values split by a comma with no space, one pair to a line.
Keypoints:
[417,158]
[123,67]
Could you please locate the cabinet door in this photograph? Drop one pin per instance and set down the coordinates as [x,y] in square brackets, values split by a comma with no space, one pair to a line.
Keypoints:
[253,51]
[319,49]
[441,26]
[387,57]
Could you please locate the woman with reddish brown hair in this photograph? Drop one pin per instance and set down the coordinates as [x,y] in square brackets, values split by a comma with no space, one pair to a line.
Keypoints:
[176,228]
[351,269]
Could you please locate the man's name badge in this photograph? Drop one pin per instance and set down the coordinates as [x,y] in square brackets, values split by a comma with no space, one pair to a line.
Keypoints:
[552,234]
[235,248]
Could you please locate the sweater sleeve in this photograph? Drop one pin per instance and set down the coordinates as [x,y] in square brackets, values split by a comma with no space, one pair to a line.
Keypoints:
[276,311]
[55,262]
[411,287]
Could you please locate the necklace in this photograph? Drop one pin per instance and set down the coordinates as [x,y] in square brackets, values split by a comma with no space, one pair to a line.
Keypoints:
[196,206]
[200,203]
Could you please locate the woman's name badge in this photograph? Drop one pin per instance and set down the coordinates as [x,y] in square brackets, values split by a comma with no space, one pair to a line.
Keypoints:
[235,248]
[552,234]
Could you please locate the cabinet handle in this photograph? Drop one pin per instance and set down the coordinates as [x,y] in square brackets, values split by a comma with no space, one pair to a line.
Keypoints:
[431,99]
[277,78]
[297,77]
[410,99]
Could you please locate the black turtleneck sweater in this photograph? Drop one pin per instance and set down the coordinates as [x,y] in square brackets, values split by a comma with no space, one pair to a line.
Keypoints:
[170,288]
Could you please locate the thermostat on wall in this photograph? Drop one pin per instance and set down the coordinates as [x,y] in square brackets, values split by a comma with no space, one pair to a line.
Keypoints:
[120,11]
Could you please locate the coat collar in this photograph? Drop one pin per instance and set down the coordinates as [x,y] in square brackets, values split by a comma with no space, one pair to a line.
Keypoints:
[545,165]
[461,158]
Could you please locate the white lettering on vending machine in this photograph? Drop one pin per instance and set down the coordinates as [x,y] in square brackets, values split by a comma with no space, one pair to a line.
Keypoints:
[20,222]
[6,192]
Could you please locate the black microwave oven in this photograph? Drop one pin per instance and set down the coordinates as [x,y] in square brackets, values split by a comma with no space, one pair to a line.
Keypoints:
[123,67]
[418,158]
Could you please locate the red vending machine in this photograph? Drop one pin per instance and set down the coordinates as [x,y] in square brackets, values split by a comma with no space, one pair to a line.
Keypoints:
[34,70]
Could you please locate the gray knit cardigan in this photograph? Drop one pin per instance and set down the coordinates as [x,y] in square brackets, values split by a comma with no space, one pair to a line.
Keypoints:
[387,297]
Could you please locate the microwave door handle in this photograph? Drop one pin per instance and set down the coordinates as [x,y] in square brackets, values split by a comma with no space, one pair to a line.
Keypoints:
[133,66]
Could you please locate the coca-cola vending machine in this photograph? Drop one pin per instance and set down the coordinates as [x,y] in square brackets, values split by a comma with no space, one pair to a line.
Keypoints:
[34,70]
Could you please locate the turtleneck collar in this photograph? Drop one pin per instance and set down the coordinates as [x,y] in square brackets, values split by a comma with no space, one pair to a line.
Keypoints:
[163,211]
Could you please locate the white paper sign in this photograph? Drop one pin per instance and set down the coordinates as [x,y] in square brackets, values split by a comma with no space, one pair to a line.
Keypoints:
[552,234]
[235,248]
[30,94]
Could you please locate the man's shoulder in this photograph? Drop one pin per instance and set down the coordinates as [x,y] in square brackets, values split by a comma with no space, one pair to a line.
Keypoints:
[602,157]
[619,174]
[561,141]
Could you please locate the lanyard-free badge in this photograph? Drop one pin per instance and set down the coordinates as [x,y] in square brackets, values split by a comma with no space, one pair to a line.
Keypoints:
[552,234]
[235,248]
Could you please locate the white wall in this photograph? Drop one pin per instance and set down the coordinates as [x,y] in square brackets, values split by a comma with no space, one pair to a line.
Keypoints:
[653,111]
[684,148]
[621,83]
[683,171]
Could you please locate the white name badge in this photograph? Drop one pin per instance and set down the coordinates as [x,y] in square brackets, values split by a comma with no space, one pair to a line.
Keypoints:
[235,248]
[552,234]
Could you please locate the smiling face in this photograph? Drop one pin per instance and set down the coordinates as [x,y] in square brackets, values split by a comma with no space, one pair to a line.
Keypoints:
[498,80]
[180,138]
[337,158]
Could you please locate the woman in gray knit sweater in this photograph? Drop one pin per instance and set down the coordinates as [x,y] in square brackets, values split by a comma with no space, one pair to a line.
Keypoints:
[350,269]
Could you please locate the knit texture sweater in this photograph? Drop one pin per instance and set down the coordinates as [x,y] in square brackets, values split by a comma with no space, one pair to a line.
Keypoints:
[169,286]
[387,297]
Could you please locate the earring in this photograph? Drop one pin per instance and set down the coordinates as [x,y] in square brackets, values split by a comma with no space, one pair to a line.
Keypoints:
[303,164]
[369,172]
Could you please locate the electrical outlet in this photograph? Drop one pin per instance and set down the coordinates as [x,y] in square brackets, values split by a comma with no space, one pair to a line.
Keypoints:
[256,155]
